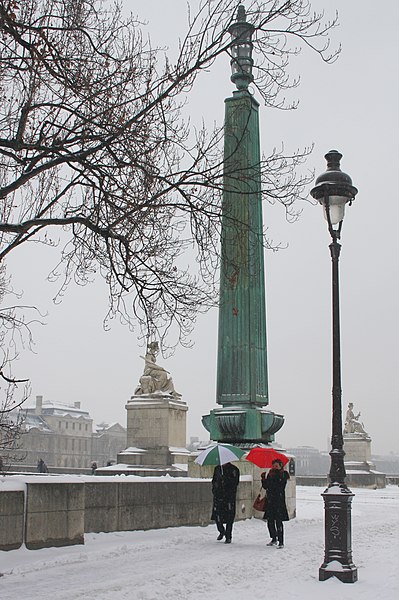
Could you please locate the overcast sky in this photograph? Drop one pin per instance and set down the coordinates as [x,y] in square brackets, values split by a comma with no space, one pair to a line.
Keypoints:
[350,106]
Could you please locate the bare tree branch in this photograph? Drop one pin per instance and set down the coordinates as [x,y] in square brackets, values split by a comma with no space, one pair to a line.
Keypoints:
[93,141]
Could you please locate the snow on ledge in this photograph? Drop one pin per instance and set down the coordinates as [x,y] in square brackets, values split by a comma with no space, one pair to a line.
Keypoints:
[176,450]
[133,450]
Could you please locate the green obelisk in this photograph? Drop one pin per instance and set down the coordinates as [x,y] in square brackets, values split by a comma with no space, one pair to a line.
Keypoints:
[242,384]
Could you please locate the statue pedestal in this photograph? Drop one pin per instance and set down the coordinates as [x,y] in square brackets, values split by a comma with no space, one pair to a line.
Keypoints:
[156,436]
[360,471]
[156,420]
[156,425]
[357,447]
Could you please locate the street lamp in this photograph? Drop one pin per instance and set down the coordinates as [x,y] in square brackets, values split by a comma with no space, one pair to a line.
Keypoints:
[241,50]
[334,190]
[242,416]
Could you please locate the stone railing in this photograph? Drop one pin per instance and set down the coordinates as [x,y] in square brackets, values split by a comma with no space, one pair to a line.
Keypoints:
[44,511]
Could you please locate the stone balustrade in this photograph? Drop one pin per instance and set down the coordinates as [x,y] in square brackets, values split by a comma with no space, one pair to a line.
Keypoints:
[57,511]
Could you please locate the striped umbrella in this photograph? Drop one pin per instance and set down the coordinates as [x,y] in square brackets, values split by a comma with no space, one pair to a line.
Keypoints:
[219,454]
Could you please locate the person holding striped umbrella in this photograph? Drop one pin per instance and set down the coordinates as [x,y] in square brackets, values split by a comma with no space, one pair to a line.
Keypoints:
[226,477]
[224,489]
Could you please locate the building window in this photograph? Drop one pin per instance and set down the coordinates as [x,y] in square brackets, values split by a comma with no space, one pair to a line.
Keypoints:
[59,424]
[66,425]
[80,426]
[87,427]
[86,445]
[73,425]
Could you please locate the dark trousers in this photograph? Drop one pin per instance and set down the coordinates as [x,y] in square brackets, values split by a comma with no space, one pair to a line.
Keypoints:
[276,530]
[226,531]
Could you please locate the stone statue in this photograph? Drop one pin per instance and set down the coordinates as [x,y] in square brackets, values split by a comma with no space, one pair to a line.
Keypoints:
[352,423]
[155,379]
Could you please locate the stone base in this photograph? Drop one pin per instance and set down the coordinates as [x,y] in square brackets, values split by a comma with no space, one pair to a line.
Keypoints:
[156,437]
[143,471]
[360,471]
[150,462]
[156,421]
[159,456]
[357,447]
[361,477]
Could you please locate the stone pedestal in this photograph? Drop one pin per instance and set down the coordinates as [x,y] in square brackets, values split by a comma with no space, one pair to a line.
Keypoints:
[156,436]
[360,471]
[156,425]
[357,447]
[156,421]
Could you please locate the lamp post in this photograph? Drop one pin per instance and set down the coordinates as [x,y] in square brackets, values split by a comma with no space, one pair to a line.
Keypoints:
[242,394]
[334,190]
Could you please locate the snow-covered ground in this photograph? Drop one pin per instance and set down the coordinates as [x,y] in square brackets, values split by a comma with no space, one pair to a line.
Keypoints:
[187,563]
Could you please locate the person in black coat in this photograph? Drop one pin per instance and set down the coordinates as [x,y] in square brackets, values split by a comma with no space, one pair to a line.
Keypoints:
[276,511]
[41,466]
[224,489]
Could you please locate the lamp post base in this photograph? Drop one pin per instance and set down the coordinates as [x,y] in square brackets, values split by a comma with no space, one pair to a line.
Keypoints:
[346,575]
[338,537]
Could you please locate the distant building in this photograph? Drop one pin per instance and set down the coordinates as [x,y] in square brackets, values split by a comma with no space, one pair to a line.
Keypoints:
[107,442]
[62,435]
[310,461]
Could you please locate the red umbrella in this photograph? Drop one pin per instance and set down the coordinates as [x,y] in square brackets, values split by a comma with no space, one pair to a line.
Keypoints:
[263,457]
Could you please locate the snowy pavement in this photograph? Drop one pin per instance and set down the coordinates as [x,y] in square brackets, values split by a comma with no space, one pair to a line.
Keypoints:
[187,563]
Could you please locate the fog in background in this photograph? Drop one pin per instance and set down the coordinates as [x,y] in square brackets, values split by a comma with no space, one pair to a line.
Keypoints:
[350,106]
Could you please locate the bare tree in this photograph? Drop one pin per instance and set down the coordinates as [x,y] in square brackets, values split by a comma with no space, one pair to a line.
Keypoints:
[92,140]
[15,333]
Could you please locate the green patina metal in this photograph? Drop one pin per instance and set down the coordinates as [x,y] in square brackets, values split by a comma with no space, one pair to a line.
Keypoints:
[242,353]
[242,384]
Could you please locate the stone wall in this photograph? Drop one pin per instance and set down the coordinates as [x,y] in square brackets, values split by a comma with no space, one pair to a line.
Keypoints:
[57,512]
[153,504]
[11,519]
[54,514]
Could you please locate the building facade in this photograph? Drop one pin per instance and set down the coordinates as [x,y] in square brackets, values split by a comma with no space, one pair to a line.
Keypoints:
[310,461]
[62,435]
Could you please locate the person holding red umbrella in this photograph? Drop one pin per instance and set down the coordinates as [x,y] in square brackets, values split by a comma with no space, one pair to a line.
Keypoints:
[276,511]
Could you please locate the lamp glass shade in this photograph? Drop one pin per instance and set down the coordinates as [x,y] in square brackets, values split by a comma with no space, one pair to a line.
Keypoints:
[242,50]
[242,57]
[336,208]
[244,65]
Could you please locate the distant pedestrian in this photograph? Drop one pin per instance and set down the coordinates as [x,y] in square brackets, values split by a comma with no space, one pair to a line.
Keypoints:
[93,467]
[276,511]
[41,466]
[224,489]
